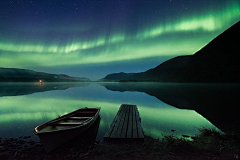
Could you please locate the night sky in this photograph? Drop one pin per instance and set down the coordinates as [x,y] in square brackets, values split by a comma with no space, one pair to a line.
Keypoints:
[93,38]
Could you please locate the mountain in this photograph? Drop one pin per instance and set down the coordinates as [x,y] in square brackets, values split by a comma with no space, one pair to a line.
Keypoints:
[24,75]
[217,62]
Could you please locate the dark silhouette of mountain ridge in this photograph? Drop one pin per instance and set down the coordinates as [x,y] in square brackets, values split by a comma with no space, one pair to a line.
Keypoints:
[217,62]
[25,75]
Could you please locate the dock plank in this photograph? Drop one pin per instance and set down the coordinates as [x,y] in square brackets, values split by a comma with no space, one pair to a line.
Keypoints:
[135,131]
[126,125]
[129,130]
[114,132]
[122,121]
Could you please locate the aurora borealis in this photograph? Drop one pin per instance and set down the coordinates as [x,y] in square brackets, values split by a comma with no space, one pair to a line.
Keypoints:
[95,38]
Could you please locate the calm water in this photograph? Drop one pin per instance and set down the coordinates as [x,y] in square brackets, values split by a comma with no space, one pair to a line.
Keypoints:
[162,107]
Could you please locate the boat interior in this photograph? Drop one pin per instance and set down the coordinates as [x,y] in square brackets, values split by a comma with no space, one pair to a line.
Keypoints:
[74,119]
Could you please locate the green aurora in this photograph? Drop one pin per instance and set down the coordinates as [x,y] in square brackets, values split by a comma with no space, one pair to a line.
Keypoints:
[181,35]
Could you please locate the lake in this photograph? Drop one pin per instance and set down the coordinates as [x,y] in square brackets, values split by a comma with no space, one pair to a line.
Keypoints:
[162,106]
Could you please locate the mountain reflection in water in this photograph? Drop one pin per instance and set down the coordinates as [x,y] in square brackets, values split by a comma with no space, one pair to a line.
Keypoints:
[39,103]
[216,102]
[16,89]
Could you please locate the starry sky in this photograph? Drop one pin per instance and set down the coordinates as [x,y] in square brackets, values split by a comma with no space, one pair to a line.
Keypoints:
[92,38]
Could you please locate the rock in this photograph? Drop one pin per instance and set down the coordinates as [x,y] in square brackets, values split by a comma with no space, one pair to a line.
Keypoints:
[25,146]
[10,145]
[194,137]
[38,145]
[26,137]
[235,156]
[31,142]
[21,142]
[171,153]
[185,136]
[221,149]
[47,157]
[173,130]
[16,153]
[83,155]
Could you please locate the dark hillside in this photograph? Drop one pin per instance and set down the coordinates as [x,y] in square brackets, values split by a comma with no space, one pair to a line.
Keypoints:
[24,75]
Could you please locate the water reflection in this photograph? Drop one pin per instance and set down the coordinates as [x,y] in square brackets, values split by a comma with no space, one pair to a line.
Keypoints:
[16,89]
[20,114]
[216,102]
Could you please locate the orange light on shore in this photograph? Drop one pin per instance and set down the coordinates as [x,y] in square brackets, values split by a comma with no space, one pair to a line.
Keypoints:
[40,81]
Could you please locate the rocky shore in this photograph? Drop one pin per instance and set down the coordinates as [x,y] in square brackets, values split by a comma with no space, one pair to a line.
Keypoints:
[25,148]
[208,145]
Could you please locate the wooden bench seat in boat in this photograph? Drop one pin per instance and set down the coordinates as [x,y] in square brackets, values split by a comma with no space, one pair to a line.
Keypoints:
[78,118]
[65,124]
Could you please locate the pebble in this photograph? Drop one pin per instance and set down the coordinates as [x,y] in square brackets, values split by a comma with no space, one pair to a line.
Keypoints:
[31,142]
[26,137]
[171,153]
[10,145]
[38,144]
[16,153]
[83,155]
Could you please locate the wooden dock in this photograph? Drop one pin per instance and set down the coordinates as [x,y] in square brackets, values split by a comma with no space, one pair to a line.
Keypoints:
[126,125]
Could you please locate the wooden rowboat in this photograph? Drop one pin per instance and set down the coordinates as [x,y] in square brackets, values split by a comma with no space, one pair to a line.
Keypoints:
[60,130]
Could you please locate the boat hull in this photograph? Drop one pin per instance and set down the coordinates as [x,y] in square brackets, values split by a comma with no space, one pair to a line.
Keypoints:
[51,140]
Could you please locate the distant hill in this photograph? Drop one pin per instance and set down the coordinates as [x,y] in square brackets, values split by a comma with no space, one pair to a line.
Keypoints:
[24,75]
[217,62]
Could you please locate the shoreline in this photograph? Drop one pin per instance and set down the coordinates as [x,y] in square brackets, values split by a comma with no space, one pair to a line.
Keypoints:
[209,144]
